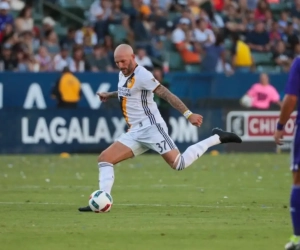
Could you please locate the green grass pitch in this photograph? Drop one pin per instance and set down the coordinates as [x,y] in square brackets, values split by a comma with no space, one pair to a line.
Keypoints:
[224,202]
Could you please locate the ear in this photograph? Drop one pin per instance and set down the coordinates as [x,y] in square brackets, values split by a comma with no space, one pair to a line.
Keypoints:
[133,56]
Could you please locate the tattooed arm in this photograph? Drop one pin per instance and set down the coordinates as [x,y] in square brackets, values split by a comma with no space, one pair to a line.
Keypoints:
[104,96]
[113,94]
[175,102]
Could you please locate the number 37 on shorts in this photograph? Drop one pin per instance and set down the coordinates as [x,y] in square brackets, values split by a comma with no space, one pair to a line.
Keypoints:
[162,147]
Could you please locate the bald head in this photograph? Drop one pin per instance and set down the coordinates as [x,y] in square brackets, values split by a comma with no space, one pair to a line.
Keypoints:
[123,50]
[124,59]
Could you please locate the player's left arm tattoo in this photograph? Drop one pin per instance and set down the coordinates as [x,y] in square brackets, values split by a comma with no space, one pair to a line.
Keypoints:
[175,102]
[287,107]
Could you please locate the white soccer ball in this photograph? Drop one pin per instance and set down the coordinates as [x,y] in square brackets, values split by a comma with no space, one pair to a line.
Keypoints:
[100,201]
[246,101]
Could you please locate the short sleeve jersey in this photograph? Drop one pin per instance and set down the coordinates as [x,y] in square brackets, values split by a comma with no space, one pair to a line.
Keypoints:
[135,93]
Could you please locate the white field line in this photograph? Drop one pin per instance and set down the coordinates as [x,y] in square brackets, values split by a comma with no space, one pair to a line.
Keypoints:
[123,186]
[131,205]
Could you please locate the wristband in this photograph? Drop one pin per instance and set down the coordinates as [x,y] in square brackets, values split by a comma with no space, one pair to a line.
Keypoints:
[280,126]
[187,114]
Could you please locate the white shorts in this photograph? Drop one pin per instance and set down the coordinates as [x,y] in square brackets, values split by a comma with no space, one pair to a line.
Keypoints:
[154,137]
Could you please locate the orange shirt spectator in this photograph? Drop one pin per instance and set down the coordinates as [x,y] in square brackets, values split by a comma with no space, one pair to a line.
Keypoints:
[188,51]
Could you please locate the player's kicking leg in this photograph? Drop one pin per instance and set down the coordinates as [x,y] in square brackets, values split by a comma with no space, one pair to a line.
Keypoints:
[181,161]
[117,152]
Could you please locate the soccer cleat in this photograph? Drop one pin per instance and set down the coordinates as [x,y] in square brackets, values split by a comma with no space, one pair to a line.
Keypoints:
[226,137]
[85,209]
[294,244]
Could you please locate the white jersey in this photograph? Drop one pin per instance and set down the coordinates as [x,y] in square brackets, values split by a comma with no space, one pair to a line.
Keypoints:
[135,93]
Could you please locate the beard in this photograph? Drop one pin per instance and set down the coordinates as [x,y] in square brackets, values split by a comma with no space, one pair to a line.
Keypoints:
[128,70]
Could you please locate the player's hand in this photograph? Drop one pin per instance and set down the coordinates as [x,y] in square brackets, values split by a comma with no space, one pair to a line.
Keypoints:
[104,96]
[196,120]
[278,136]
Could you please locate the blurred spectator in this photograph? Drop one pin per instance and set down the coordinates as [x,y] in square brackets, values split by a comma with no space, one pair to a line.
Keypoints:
[164,4]
[203,35]
[7,63]
[178,35]
[62,59]
[17,5]
[78,63]
[258,39]
[283,21]
[28,42]
[281,57]
[194,7]
[142,59]
[5,16]
[6,33]
[69,39]
[290,37]
[189,50]
[160,21]
[214,58]
[128,30]
[274,35]
[98,61]
[100,10]
[51,42]
[116,15]
[216,20]
[44,60]
[241,55]
[233,22]
[249,21]
[109,48]
[269,19]
[67,90]
[261,95]
[260,11]
[48,25]
[22,62]
[249,4]
[24,22]
[295,11]
[86,34]
[142,26]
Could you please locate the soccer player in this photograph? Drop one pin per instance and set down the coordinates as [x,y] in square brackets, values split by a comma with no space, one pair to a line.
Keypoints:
[292,92]
[147,129]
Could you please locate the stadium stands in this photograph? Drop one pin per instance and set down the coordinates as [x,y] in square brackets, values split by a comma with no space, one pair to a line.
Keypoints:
[186,35]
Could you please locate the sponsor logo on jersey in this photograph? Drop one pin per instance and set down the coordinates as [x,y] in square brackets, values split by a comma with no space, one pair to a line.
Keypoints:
[122,91]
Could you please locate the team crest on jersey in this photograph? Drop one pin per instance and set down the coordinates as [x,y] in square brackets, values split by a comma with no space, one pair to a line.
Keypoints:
[122,91]
[130,82]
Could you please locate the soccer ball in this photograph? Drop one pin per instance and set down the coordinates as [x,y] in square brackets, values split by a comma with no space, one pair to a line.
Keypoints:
[246,101]
[100,201]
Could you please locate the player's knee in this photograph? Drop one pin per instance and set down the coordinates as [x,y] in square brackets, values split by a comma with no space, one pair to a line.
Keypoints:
[103,157]
[173,165]
[296,177]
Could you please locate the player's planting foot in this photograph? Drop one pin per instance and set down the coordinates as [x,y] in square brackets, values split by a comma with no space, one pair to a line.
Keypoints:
[294,244]
[85,209]
[226,137]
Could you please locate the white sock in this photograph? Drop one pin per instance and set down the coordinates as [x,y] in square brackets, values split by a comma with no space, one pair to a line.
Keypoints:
[106,176]
[192,153]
